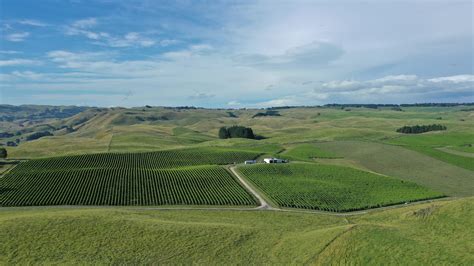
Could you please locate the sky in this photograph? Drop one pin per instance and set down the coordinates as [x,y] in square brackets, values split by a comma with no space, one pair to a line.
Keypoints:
[235,54]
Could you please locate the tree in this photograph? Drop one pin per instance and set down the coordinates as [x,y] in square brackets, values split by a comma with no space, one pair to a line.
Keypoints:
[3,153]
[236,132]
[420,129]
[223,133]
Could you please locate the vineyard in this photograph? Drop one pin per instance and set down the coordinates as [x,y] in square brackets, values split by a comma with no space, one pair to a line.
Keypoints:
[331,188]
[156,178]
[146,160]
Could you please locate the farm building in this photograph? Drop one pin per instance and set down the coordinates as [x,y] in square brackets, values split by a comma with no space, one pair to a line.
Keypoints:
[250,162]
[274,160]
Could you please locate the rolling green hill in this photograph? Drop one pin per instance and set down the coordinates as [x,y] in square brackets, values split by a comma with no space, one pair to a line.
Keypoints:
[148,156]
[427,234]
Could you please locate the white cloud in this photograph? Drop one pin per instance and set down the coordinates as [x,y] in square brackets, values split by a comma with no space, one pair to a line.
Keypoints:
[87,33]
[31,22]
[9,52]
[82,27]
[85,23]
[102,64]
[18,62]
[129,39]
[193,50]
[85,28]
[201,96]
[27,75]
[285,101]
[455,79]
[234,103]
[168,42]
[405,88]
[17,37]
[312,54]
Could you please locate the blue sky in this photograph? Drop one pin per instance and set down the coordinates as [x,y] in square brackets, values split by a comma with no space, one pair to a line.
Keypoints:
[235,53]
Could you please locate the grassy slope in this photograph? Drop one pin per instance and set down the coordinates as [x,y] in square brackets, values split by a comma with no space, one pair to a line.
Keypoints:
[426,234]
[406,164]
[306,152]
[119,130]
[428,143]
[454,159]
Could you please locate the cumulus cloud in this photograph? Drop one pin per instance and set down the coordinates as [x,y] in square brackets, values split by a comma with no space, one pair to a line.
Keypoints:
[17,37]
[407,87]
[284,101]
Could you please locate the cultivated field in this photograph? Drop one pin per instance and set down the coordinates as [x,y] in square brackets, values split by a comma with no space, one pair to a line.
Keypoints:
[146,160]
[200,185]
[156,178]
[331,188]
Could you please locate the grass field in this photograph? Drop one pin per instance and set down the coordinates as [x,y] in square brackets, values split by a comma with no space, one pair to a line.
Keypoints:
[423,234]
[306,152]
[454,159]
[331,188]
[406,164]
[430,143]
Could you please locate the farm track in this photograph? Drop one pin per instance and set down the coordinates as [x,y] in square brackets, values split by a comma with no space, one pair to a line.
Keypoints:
[263,203]
[144,208]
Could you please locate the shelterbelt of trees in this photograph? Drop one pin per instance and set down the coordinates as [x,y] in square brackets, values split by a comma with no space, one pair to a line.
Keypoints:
[236,132]
[420,129]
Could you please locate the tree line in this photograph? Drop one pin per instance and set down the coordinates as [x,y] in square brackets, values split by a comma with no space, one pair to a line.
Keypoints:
[420,129]
[236,132]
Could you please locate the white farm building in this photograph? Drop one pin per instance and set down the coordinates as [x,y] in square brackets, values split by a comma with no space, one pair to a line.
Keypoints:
[274,160]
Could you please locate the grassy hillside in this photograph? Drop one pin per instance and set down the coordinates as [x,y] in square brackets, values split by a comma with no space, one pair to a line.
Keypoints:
[406,164]
[306,152]
[423,234]
[145,129]
[432,144]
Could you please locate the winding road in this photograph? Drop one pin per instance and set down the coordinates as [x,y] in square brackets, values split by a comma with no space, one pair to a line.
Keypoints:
[263,203]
